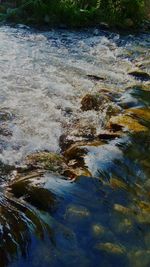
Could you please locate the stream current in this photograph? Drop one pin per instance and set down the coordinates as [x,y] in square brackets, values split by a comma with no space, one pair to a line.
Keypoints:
[102,219]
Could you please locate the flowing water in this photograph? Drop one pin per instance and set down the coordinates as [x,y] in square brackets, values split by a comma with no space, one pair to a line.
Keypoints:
[103,218]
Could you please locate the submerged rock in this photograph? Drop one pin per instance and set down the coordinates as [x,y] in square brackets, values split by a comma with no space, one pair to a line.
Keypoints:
[98,229]
[122,209]
[139,258]
[124,226]
[117,184]
[111,248]
[77,212]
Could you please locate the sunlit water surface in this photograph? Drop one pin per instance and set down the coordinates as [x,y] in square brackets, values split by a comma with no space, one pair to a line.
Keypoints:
[42,76]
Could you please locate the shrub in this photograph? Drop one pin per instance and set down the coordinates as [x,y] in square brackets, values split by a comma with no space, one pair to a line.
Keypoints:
[78,12]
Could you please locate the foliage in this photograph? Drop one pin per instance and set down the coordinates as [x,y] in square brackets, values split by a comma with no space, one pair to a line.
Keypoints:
[77,13]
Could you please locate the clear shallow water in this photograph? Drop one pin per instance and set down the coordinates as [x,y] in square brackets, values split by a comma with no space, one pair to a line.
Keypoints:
[93,221]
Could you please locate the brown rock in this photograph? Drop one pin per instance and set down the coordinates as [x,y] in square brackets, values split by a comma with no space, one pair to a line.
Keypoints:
[93,102]
[127,123]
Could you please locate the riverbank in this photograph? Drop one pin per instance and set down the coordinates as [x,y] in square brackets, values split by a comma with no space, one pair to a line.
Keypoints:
[120,15]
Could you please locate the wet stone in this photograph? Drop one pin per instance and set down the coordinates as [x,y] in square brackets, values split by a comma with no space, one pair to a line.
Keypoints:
[112,109]
[73,173]
[108,135]
[127,123]
[76,152]
[147,240]
[65,142]
[122,209]
[111,248]
[117,184]
[5,115]
[36,195]
[143,113]
[46,160]
[139,258]
[4,130]
[140,75]
[124,226]
[82,130]
[78,212]
[98,229]
[95,78]
[93,102]
[144,64]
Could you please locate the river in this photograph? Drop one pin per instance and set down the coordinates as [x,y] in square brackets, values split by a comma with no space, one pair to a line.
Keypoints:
[102,217]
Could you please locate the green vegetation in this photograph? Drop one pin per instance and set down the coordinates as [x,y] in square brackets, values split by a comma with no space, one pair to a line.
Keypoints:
[76,13]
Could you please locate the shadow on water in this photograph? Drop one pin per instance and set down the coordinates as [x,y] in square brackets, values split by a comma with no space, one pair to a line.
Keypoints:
[102,220]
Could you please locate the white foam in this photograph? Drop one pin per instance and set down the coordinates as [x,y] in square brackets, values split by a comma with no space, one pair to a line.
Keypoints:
[43,73]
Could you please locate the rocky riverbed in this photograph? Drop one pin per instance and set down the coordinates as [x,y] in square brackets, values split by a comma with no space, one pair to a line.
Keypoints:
[74,148]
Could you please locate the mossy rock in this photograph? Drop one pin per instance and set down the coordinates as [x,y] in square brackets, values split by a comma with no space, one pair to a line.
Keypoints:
[143,113]
[127,123]
[111,248]
[112,109]
[93,101]
[46,160]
